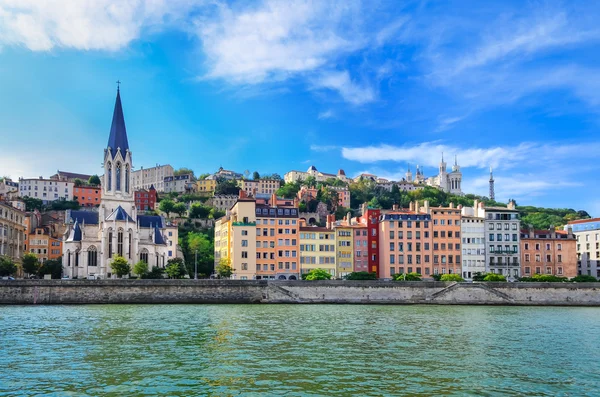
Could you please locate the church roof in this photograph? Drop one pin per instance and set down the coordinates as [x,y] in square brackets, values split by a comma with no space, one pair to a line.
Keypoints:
[118,133]
[119,215]
[158,237]
[75,234]
[87,217]
[150,221]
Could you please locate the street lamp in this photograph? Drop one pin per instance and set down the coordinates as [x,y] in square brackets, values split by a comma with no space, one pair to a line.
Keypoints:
[196,266]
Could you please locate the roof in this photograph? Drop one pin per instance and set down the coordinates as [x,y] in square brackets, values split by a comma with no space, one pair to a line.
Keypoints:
[86,217]
[75,234]
[158,237]
[150,221]
[118,133]
[119,214]
[584,221]
[72,175]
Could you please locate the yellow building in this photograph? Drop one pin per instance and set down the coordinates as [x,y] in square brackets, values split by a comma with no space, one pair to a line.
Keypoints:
[344,243]
[206,187]
[317,249]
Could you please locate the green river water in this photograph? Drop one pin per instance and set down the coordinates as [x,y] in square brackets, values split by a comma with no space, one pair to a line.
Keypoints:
[298,350]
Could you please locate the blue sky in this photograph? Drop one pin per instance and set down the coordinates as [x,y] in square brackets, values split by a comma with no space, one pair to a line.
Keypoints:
[279,85]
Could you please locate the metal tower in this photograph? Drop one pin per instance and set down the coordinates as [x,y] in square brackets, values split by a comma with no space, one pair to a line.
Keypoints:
[492,194]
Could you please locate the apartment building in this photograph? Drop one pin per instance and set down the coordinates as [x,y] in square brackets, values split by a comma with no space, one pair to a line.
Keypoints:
[47,190]
[178,184]
[473,246]
[552,252]
[447,251]
[587,234]
[502,240]
[87,196]
[261,238]
[317,249]
[222,202]
[405,243]
[206,187]
[145,200]
[260,186]
[153,176]
[70,176]
[12,232]
[344,243]
[361,250]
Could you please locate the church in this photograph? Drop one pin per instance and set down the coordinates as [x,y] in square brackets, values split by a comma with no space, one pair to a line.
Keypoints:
[449,182]
[93,238]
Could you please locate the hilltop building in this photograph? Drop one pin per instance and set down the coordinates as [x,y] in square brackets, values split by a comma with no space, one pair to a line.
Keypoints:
[449,182]
[92,239]
[153,176]
[295,176]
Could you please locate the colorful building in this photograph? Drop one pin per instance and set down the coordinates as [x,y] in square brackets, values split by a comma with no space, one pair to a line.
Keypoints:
[587,233]
[502,235]
[344,243]
[206,187]
[552,252]
[361,252]
[87,196]
[446,229]
[260,186]
[145,200]
[317,249]
[12,232]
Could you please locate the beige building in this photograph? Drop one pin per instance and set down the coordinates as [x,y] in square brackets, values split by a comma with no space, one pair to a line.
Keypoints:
[260,186]
[317,249]
[295,176]
[12,232]
[587,233]
[222,202]
[146,177]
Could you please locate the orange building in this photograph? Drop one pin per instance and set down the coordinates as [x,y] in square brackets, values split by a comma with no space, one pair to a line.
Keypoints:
[87,196]
[446,238]
[42,238]
[551,252]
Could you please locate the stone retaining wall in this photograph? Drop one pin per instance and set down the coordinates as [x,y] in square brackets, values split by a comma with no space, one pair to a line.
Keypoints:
[262,291]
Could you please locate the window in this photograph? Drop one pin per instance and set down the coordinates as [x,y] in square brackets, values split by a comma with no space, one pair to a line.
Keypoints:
[144,255]
[120,243]
[110,247]
[92,256]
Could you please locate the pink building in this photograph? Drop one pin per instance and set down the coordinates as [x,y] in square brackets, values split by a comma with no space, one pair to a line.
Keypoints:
[361,250]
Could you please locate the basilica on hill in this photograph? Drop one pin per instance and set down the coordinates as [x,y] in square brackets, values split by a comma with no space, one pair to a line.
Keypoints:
[93,238]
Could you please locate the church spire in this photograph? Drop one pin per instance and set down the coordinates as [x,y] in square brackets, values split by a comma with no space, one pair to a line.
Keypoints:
[118,133]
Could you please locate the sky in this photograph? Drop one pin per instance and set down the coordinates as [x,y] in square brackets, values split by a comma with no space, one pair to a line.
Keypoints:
[272,86]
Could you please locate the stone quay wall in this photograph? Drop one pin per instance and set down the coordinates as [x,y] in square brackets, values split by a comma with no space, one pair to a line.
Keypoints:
[27,292]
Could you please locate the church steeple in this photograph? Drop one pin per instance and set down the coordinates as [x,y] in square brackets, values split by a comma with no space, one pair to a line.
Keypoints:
[118,133]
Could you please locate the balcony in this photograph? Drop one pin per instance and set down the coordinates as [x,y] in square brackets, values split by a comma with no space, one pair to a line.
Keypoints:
[504,252]
[243,223]
[510,265]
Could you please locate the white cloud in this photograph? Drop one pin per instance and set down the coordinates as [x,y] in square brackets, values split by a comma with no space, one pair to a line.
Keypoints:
[42,25]
[350,91]
[323,148]
[326,115]
[429,154]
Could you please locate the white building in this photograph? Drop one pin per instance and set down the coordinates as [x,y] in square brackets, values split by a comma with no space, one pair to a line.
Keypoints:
[179,184]
[146,177]
[449,182]
[502,240]
[92,239]
[47,190]
[587,232]
[294,176]
[222,202]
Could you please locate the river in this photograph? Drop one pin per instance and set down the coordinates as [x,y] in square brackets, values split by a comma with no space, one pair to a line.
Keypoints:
[298,350]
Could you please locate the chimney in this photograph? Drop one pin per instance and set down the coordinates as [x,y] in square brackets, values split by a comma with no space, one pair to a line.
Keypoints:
[395,207]
[330,219]
[460,207]
[411,206]
[364,208]
[254,192]
[243,194]
[451,205]
[349,218]
[274,200]
[426,204]
[302,222]
[475,205]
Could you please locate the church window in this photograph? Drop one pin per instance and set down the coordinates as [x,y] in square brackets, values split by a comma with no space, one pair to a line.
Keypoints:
[92,256]
[109,174]
[120,243]
[130,242]
[126,178]
[110,246]
[144,255]
[118,176]
[76,259]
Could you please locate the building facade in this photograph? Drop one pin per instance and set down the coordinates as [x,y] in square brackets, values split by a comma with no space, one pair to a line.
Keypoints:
[93,239]
[361,252]
[70,177]
[87,196]
[206,187]
[317,249]
[344,244]
[502,240]
[153,176]
[260,186]
[12,232]
[473,246]
[548,252]
[446,230]
[145,200]
[179,184]
[297,176]
[222,202]
[587,234]
[47,190]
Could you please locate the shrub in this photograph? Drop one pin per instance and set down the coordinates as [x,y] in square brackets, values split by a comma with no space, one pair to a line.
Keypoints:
[436,277]
[479,276]
[140,269]
[317,274]
[7,267]
[584,278]
[361,276]
[494,277]
[543,278]
[155,273]
[120,266]
[452,277]
[407,277]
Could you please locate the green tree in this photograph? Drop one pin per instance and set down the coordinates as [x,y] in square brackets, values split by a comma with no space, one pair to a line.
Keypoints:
[255,175]
[494,277]
[175,268]
[77,182]
[224,269]
[61,205]
[216,213]
[7,266]
[180,209]
[451,277]
[32,204]
[407,277]
[289,190]
[184,171]
[203,176]
[140,269]
[30,263]
[94,180]
[361,276]
[317,274]
[155,273]
[120,266]
[310,181]
[199,211]
[167,206]
[203,245]
[328,196]
[52,267]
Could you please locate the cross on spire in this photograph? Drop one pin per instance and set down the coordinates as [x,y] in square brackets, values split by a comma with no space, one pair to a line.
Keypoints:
[118,84]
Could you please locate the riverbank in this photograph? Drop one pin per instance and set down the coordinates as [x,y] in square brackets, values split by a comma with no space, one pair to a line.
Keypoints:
[28,292]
